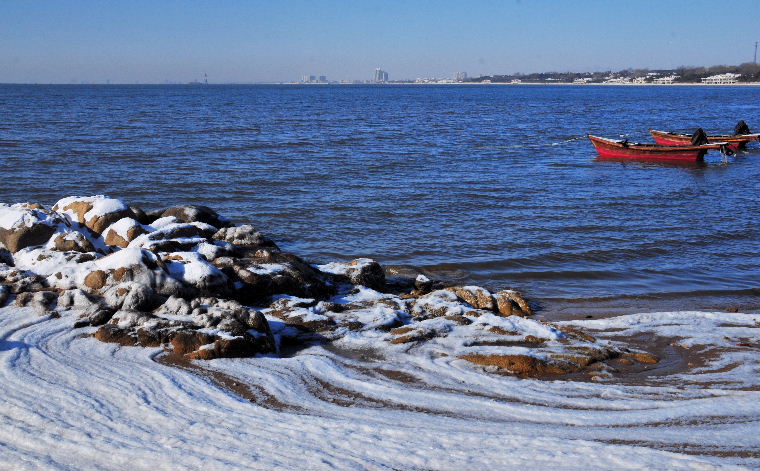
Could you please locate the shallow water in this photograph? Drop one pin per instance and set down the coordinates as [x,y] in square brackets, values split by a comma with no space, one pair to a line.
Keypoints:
[492,185]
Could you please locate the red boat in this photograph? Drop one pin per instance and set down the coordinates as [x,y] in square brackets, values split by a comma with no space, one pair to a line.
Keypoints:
[616,148]
[677,139]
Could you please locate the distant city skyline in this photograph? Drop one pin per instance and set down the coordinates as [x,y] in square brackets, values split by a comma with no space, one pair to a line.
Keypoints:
[235,41]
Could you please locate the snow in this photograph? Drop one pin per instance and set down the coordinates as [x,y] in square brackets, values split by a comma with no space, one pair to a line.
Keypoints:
[342,268]
[266,268]
[101,205]
[192,268]
[122,226]
[71,402]
[16,215]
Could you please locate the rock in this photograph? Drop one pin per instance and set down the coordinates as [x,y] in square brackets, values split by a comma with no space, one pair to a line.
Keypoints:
[519,364]
[132,265]
[96,280]
[79,323]
[188,230]
[233,326]
[141,297]
[110,333]
[77,299]
[438,303]
[192,213]
[40,301]
[188,341]
[140,215]
[4,293]
[423,284]
[510,302]
[72,241]
[244,236]
[176,306]
[641,357]
[192,269]
[101,316]
[122,232]
[230,348]
[477,297]
[6,257]
[22,226]
[362,271]
[20,281]
[95,212]
[129,319]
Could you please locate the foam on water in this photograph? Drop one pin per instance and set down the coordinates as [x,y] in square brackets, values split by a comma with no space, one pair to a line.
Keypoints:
[72,402]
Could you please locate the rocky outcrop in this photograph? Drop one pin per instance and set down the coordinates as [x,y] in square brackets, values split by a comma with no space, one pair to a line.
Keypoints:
[188,280]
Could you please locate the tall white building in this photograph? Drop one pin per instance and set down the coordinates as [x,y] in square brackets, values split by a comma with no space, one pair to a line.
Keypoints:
[380,76]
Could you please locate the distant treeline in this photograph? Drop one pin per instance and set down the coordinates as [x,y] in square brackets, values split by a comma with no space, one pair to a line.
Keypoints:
[750,72]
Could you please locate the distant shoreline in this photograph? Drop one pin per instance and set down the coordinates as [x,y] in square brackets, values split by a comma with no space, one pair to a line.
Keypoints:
[744,84]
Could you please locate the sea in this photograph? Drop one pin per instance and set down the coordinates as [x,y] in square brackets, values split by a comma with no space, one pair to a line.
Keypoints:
[490,185]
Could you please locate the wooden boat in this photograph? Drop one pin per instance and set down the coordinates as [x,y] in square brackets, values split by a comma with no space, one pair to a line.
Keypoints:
[615,148]
[735,142]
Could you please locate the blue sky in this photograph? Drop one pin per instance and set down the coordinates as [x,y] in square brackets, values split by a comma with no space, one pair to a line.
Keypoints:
[247,41]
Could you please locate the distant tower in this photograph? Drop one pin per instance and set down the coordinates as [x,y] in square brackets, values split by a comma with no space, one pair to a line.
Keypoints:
[205,78]
[380,76]
[755,61]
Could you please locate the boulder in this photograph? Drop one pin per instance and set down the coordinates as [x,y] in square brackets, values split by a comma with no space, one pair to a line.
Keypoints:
[510,302]
[23,226]
[4,293]
[477,297]
[40,301]
[244,236]
[192,269]
[77,299]
[362,271]
[6,257]
[101,316]
[439,303]
[192,213]
[72,241]
[130,265]
[423,284]
[188,341]
[122,232]
[95,212]
[244,346]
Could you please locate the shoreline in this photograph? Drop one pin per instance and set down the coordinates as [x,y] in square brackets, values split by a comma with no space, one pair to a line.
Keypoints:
[747,84]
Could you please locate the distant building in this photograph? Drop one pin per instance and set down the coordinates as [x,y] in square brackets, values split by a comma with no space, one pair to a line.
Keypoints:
[380,76]
[582,80]
[313,79]
[665,80]
[618,80]
[639,80]
[460,76]
[722,79]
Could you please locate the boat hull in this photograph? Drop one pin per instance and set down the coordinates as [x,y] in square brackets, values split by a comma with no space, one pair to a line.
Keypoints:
[677,139]
[608,148]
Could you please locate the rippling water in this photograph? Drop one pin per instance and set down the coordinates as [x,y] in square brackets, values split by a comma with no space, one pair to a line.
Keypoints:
[494,185]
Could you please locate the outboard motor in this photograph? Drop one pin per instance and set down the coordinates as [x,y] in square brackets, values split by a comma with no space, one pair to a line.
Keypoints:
[699,137]
[741,128]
